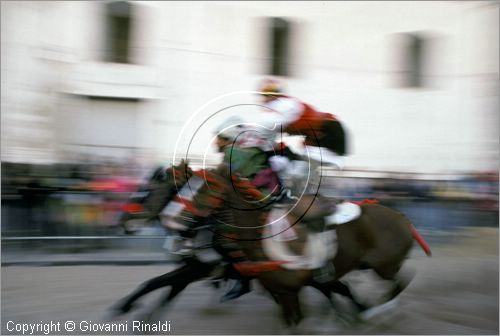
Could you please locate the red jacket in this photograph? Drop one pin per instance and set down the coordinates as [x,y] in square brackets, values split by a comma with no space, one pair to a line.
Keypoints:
[310,124]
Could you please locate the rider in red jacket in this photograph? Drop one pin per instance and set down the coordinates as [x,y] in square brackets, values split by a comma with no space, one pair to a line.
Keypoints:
[324,137]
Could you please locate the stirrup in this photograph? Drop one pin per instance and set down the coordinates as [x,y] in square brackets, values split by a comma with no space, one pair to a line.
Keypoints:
[286,193]
[325,274]
[289,194]
[218,273]
[185,252]
[239,288]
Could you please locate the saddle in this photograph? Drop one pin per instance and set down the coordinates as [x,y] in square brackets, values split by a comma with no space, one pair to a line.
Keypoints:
[303,236]
[319,213]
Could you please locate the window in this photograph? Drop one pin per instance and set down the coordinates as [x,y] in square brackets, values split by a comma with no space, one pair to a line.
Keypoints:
[280,47]
[118,19]
[413,60]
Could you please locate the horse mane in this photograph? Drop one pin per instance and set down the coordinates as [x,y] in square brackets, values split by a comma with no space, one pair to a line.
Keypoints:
[163,185]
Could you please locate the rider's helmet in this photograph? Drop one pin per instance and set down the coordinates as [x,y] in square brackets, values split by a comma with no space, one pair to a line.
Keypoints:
[270,87]
[230,128]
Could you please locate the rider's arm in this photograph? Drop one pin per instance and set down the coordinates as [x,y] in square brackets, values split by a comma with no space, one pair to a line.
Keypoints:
[276,116]
[285,111]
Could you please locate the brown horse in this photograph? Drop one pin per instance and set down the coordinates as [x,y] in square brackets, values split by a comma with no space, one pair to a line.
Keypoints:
[380,239]
[160,190]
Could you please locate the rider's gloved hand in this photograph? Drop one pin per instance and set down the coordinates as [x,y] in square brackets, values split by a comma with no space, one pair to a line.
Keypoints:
[279,163]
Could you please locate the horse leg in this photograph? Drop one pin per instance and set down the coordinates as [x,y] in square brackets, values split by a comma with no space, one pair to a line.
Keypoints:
[399,279]
[399,282]
[288,299]
[183,275]
[340,288]
[153,284]
[325,290]
[176,289]
[290,305]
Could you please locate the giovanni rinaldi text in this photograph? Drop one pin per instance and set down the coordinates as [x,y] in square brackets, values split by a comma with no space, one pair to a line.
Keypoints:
[52,327]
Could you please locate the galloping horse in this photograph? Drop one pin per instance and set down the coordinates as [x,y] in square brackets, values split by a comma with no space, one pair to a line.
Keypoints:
[146,204]
[380,239]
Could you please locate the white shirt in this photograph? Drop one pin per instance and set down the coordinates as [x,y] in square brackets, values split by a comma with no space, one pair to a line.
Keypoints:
[263,128]
[282,111]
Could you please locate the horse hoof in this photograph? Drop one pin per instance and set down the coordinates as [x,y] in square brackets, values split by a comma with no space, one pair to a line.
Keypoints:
[114,314]
[346,319]
[378,310]
[290,331]
[121,309]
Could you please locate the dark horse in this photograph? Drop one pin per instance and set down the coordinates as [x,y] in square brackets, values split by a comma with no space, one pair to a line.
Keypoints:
[380,239]
[144,206]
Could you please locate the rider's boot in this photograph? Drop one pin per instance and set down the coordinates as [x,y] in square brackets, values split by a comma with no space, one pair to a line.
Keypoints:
[217,275]
[219,272]
[240,287]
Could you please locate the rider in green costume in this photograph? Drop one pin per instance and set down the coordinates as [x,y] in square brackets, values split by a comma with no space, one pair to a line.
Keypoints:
[245,161]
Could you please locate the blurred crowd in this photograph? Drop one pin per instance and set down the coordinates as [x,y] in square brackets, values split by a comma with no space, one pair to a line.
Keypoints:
[65,198]
[481,190]
[86,198]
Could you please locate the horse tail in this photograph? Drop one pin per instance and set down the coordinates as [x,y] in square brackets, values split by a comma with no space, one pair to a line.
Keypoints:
[415,234]
[366,201]
[420,240]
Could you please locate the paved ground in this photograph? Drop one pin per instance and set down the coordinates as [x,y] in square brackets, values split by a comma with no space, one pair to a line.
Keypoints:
[455,292]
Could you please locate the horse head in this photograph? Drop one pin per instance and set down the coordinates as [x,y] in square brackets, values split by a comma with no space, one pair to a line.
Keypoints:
[146,204]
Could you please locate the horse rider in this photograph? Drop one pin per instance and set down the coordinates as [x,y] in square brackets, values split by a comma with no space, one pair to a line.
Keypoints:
[324,136]
[246,154]
[246,157]
[324,142]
